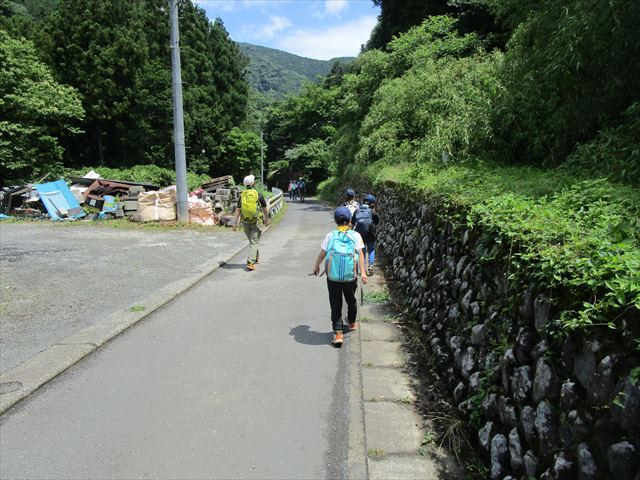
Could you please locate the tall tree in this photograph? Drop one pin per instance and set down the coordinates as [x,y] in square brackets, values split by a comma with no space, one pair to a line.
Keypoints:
[398,16]
[116,53]
[570,70]
[216,91]
[100,47]
[35,111]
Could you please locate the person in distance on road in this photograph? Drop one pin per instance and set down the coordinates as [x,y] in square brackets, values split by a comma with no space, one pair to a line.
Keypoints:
[248,210]
[350,201]
[342,252]
[293,189]
[302,187]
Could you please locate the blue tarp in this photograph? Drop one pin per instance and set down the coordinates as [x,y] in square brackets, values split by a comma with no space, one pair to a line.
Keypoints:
[57,198]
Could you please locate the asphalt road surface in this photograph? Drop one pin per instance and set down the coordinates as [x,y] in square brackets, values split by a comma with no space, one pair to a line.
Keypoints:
[233,379]
[59,279]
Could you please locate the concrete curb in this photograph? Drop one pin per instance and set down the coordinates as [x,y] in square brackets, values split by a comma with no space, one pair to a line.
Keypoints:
[394,429]
[357,442]
[21,381]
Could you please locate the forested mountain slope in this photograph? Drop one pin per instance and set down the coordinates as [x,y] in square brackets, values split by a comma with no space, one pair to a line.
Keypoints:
[276,73]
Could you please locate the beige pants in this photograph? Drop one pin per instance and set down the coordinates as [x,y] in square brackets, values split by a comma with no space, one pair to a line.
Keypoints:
[253,232]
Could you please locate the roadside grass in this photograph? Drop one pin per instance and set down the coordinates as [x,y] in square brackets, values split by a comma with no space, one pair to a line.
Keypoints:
[280,215]
[429,442]
[405,401]
[137,308]
[377,296]
[375,452]
[393,319]
[452,433]
[125,224]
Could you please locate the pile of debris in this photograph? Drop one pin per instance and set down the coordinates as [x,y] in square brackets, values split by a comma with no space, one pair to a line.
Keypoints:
[220,196]
[212,204]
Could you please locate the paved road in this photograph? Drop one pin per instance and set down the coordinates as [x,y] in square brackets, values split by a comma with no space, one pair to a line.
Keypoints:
[233,379]
[59,279]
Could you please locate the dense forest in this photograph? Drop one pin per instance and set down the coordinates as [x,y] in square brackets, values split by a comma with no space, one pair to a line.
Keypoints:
[518,82]
[89,84]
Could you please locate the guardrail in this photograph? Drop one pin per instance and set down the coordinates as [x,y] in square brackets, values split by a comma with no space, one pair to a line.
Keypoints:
[274,204]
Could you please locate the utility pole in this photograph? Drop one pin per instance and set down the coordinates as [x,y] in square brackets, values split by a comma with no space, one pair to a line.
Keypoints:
[178,121]
[261,160]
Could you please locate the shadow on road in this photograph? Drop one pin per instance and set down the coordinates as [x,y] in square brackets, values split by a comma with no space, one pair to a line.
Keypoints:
[233,266]
[314,205]
[304,334]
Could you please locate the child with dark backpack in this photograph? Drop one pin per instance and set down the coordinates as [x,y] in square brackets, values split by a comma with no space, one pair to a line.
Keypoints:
[342,253]
[364,222]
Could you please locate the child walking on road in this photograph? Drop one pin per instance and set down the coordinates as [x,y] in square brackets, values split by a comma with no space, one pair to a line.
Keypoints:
[350,201]
[364,222]
[342,252]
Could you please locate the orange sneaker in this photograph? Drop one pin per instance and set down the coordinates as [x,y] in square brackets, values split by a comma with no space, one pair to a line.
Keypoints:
[338,338]
[251,266]
[353,326]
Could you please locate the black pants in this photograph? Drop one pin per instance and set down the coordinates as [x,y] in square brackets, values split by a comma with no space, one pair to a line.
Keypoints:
[336,291]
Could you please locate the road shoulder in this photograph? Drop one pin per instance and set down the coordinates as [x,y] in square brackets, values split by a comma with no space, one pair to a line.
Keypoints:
[396,436]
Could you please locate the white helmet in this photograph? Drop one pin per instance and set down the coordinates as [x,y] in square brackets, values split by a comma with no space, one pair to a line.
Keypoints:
[249,180]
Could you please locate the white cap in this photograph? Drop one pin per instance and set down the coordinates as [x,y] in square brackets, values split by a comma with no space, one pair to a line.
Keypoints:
[249,180]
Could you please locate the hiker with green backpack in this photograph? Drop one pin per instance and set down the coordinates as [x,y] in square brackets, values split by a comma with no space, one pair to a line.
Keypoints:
[250,200]
[342,251]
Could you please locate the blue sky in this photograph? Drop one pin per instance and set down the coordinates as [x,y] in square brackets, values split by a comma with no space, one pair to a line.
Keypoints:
[320,29]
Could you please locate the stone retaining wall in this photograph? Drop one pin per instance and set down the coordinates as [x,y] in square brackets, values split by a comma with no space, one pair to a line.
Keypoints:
[548,406]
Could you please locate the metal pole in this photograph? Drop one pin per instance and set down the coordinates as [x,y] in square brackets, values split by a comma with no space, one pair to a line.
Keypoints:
[261,161]
[178,121]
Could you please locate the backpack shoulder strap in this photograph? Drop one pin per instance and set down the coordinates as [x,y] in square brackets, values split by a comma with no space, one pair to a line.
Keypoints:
[352,236]
[331,240]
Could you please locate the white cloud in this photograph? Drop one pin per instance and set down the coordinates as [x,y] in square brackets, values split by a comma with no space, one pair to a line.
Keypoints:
[328,8]
[334,7]
[339,41]
[277,24]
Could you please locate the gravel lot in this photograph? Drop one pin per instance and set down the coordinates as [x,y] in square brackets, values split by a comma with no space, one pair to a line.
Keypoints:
[56,280]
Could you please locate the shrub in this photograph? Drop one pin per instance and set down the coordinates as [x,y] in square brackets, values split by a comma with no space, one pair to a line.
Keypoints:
[439,110]
[568,73]
[614,153]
